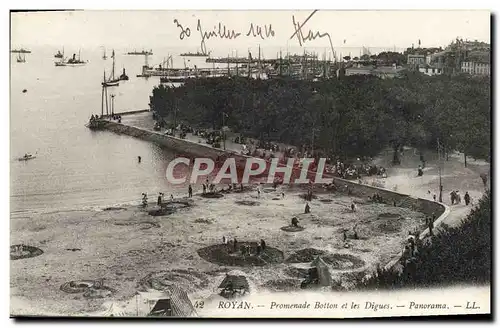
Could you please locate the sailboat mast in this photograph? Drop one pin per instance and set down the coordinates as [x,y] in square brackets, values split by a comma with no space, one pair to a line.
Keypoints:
[106,95]
[113,69]
[102,95]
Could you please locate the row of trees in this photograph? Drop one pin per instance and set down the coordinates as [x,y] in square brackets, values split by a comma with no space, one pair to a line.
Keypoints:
[351,117]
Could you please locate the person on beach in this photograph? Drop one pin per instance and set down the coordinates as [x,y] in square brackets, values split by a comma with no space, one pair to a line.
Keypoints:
[467,198]
[159,199]
[258,192]
[353,207]
[282,194]
[295,222]
[434,197]
[139,159]
[263,244]
[458,198]
[307,209]
[420,171]
[171,197]
[235,244]
[224,240]
[204,188]
[144,199]
[190,191]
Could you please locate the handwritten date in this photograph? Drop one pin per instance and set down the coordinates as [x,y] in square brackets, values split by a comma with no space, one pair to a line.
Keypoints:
[222,32]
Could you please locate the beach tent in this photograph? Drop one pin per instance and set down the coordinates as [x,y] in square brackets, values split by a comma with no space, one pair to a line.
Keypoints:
[321,271]
[234,284]
[175,303]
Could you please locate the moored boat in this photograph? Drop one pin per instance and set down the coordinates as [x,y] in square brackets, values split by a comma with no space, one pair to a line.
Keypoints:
[21,51]
[59,54]
[144,52]
[112,81]
[26,157]
[73,61]
[21,59]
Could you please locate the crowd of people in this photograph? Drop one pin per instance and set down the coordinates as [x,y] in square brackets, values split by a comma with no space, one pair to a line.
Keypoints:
[245,249]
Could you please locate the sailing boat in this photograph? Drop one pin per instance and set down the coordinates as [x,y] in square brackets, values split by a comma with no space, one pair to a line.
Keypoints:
[112,80]
[20,59]
[104,55]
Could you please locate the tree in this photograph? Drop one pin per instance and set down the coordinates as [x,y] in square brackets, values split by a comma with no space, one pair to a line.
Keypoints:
[454,256]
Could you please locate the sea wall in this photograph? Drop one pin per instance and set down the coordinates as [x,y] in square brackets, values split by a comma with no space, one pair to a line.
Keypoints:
[192,149]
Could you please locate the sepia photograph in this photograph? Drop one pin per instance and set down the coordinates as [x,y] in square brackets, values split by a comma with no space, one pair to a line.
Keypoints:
[250,163]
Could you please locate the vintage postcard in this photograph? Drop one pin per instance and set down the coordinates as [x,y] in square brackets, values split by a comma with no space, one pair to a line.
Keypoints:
[250,164]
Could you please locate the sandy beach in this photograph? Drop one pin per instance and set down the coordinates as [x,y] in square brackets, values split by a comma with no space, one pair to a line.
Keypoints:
[130,249]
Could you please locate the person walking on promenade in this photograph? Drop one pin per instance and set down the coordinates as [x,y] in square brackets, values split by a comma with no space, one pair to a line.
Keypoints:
[430,225]
[453,197]
[190,191]
[467,198]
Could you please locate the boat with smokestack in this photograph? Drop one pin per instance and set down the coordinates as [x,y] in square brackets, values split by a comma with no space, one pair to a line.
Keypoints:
[73,61]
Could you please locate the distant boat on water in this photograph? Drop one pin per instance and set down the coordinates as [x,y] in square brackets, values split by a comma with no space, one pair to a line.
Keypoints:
[104,55]
[143,52]
[195,54]
[72,61]
[26,157]
[112,81]
[59,54]
[21,59]
[21,51]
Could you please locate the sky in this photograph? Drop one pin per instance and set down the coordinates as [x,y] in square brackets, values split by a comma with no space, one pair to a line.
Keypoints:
[150,29]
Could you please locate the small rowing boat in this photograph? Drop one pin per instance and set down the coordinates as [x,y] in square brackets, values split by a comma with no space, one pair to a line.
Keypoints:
[26,157]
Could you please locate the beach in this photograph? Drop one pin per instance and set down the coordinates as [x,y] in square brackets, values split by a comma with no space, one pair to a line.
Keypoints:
[124,245]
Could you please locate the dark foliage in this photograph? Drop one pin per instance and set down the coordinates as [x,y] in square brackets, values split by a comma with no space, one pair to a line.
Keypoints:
[454,256]
[355,116]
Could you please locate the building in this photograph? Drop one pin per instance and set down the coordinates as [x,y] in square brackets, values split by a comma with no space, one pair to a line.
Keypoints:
[476,68]
[414,61]
[430,70]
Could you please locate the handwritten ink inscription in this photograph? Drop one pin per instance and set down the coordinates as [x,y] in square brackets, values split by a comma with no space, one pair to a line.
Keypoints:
[185,32]
[221,31]
[310,36]
[256,30]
